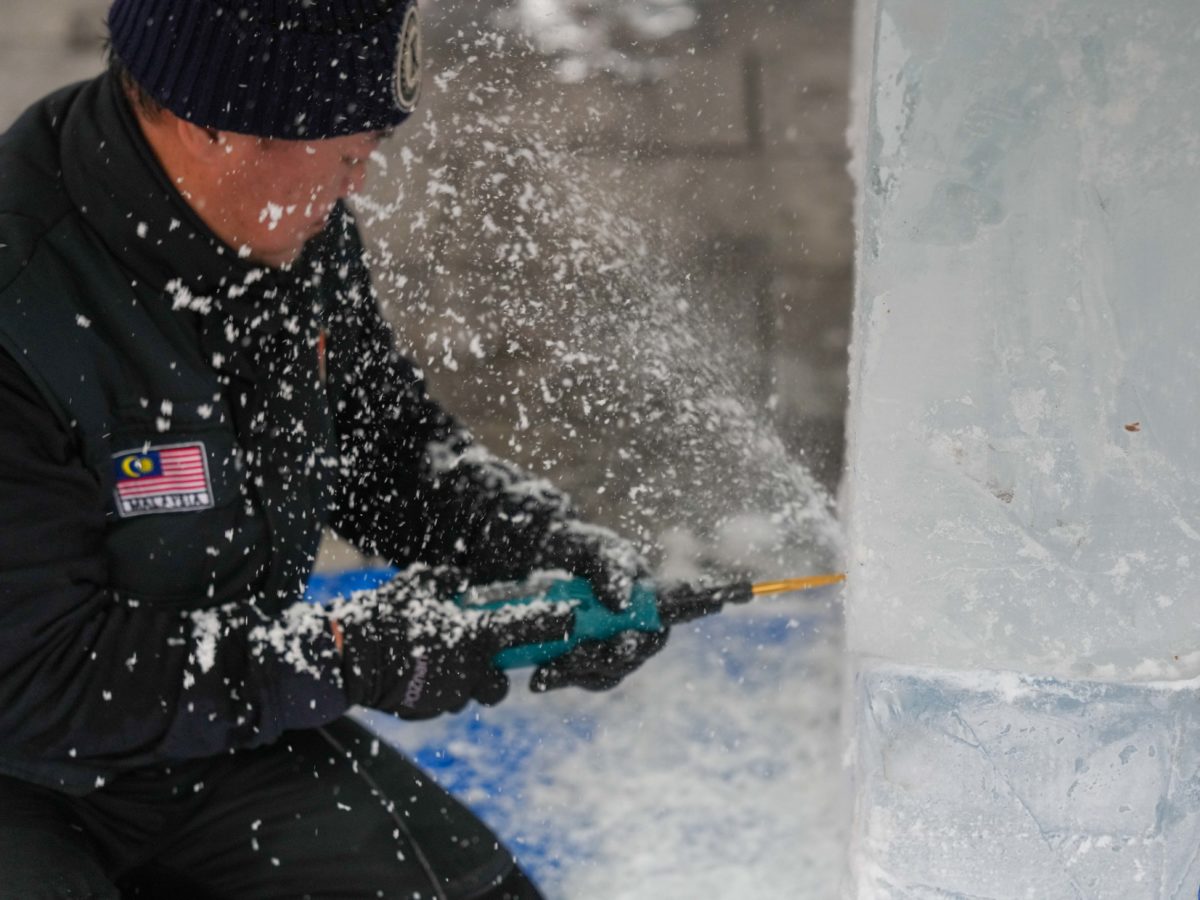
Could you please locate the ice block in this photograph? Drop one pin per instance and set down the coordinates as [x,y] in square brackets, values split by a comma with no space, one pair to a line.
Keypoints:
[1023,476]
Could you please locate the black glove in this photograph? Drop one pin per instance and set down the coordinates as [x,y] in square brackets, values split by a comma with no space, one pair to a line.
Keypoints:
[409,651]
[599,665]
[609,562]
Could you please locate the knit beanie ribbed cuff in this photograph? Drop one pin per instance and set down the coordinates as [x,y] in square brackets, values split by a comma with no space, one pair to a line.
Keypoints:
[295,69]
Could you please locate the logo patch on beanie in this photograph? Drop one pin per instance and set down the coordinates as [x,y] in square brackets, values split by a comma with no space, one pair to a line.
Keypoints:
[408,63]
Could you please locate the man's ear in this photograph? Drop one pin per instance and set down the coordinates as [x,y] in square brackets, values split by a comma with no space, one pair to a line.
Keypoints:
[202,144]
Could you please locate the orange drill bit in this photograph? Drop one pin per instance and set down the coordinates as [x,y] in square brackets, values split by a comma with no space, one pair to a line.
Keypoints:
[795,584]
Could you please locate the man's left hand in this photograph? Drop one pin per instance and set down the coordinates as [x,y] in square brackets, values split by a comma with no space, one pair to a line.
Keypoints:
[609,562]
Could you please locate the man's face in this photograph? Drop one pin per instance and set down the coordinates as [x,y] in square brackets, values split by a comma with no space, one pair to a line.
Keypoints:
[273,196]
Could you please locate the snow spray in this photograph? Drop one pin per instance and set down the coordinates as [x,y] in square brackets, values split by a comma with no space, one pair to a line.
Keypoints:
[527,273]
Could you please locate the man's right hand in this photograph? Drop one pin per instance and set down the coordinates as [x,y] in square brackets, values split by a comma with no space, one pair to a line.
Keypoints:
[409,650]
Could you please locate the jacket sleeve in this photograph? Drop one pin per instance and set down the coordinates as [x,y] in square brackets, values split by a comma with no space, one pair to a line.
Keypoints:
[414,484]
[86,678]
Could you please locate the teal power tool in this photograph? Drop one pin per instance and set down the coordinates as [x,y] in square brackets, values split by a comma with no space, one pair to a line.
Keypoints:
[649,609]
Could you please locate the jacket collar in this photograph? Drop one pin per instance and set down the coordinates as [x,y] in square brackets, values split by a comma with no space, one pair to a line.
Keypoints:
[114,179]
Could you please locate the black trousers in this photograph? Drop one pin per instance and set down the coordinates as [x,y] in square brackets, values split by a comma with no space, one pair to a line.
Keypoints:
[329,813]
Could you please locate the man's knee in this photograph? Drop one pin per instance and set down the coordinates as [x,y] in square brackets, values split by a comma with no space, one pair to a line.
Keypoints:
[458,851]
[44,855]
[516,886]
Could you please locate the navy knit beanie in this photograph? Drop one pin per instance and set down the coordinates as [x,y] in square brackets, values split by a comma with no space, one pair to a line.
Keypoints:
[296,69]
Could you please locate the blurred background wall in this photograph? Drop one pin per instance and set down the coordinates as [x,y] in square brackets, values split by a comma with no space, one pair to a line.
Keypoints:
[694,149]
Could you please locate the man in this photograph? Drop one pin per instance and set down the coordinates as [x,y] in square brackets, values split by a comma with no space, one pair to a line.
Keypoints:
[195,379]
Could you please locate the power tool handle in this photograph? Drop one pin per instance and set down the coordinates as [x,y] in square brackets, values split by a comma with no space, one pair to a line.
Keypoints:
[593,622]
[648,610]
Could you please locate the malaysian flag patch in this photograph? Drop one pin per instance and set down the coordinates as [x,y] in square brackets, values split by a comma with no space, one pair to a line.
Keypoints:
[166,479]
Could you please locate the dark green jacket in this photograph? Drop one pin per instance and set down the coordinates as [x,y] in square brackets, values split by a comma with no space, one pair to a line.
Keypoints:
[171,445]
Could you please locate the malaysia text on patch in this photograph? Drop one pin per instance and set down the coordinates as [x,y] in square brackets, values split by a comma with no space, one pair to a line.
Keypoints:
[172,478]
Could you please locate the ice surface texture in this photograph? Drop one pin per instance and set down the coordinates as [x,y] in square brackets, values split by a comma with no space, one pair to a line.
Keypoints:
[1024,490]
[992,785]
[1022,493]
